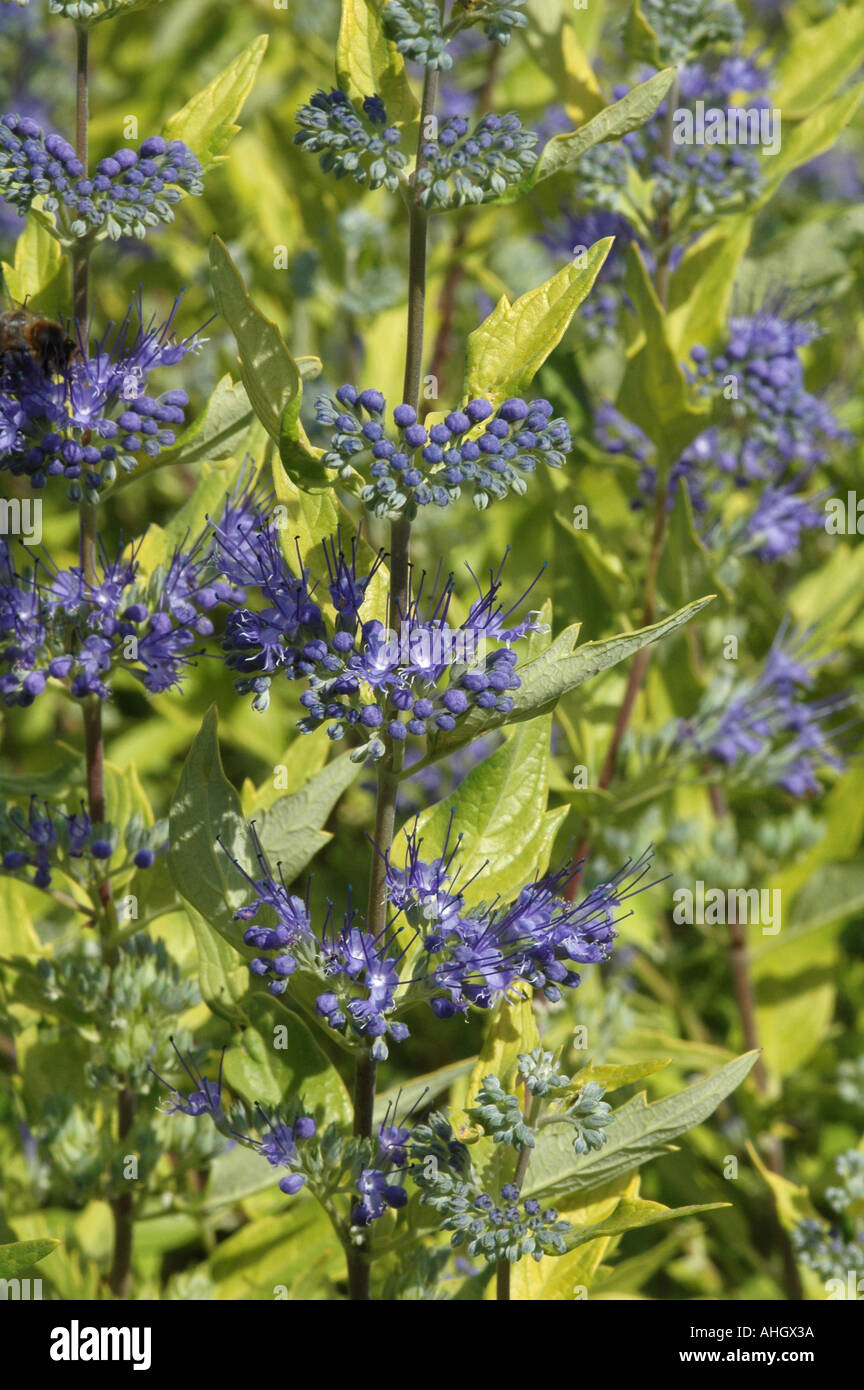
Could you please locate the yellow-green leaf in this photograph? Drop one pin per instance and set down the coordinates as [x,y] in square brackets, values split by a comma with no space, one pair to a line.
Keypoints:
[207,122]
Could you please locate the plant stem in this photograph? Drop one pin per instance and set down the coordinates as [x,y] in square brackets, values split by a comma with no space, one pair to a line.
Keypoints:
[502,1269]
[358,1260]
[94,745]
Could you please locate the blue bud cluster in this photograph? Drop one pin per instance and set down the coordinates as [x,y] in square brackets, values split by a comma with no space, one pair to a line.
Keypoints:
[415,466]
[466,166]
[129,191]
[761,359]
[51,839]
[505,1230]
[500,1115]
[684,27]
[832,1251]
[416,28]
[498,17]
[352,141]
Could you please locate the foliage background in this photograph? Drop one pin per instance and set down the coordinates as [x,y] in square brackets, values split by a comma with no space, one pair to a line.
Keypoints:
[341,297]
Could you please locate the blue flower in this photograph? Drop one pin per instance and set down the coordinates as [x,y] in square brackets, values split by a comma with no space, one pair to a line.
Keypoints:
[129,191]
[404,671]
[766,725]
[52,839]
[204,1099]
[463,166]
[281,1147]
[377,1195]
[484,450]
[352,140]
[95,415]
[54,624]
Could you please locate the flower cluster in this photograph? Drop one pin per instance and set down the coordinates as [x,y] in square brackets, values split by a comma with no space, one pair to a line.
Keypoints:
[698,181]
[352,141]
[770,436]
[503,1227]
[464,166]
[280,1147]
[466,956]
[499,1115]
[684,27]
[418,31]
[766,725]
[361,676]
[476,955]
[508,1230]
[498,17]
[760,373]
[56,624]
[588,1114]
[830,1251]
[130,190]
[477,447]
[416,28]
[50,839]
[93,414]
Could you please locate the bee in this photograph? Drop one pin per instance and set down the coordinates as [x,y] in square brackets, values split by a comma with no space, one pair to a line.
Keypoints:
[24,333]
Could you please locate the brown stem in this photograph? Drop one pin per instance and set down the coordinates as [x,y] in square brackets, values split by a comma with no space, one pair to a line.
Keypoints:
[634,681]
[120,1277]
[455,269]
[359,1255]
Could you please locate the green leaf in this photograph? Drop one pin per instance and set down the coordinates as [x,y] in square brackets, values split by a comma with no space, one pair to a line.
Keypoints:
[640,40]
[207,122]
[639,1132]
[301,461]
[22,1254]
[270,374]
[611,1078]
[563,152]
[792,1202]
[368,64]
[817,61]
[38,272]
[654,392]
[561,669]
[511,1029]
[701,287]
[207,498]
[632,1213]
[505,353]
[686,567]
[205,806]
[290,828]
[499,813]
[278,1063]
[811,137]
[297,1250]
[223,977]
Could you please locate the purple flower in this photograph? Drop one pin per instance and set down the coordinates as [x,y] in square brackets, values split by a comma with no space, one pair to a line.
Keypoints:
[766,723]
[416,467]
[129,191]
[95,415]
